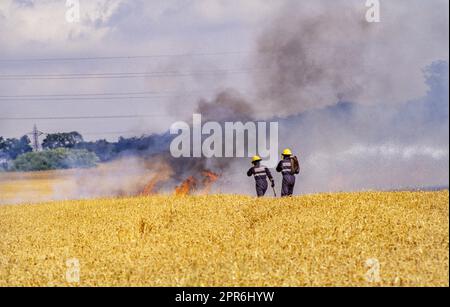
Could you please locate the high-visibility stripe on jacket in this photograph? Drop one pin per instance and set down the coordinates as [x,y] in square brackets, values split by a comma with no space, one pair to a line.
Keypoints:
[285,166]
[260,173]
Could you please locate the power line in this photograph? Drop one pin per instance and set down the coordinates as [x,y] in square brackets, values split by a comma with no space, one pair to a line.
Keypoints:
[90,94]
[119,94]
[97,99]
[85,117]
[121,75]
[170,72]
[133,57]
[115,133]
[136,133]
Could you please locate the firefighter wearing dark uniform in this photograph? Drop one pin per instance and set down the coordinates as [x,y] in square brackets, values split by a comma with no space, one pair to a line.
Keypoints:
[261,173]
[285,167]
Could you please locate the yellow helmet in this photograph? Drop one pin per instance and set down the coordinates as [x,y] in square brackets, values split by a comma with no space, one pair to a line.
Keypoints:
[287,152]
[256,159]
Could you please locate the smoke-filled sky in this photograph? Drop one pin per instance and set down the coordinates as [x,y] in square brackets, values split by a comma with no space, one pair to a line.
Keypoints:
[217,35]
[365,105]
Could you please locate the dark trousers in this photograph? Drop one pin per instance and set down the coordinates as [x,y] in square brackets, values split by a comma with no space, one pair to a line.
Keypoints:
[261,187]
[288,185]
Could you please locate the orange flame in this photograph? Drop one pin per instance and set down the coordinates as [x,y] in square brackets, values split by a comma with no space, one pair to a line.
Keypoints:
[187,187]
[149,189]
[209,178]
[163,174]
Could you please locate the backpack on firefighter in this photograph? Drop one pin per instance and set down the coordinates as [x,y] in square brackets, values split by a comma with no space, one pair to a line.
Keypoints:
[295,165]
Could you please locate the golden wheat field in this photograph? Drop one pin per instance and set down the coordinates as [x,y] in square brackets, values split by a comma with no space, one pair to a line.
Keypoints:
[316,240]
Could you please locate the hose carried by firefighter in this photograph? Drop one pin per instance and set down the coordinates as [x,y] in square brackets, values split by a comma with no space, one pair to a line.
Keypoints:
[274,192]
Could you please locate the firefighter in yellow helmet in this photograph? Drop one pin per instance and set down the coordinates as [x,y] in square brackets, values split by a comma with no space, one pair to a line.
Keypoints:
[261,173]
[289,167]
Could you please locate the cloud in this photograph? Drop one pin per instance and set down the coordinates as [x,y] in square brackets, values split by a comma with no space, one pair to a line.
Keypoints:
[107,24]
[111,28]
[223,11]
[43,23]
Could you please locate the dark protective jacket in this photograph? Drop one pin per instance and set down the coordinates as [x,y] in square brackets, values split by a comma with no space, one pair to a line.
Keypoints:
[285,167]
[261,173]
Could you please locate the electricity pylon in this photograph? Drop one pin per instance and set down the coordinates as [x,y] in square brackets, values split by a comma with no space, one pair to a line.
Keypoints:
[35,135]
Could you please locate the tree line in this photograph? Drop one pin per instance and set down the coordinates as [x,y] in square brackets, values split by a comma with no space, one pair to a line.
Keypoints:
[69,150]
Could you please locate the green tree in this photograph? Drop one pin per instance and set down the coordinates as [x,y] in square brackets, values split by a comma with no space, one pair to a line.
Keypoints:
[62,140]
[12,148]
[102,148]
[60,158]
[3,154]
